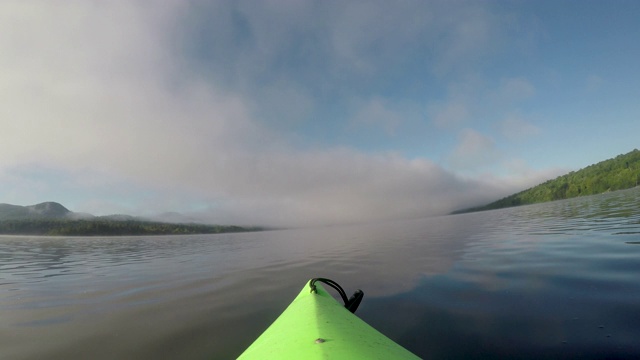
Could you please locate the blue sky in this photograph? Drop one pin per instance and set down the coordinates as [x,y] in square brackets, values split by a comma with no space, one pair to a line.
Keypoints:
[297,113]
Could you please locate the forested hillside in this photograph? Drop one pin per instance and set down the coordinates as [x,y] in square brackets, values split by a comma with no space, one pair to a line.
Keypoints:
[621,172]
[51,218]
[105,227]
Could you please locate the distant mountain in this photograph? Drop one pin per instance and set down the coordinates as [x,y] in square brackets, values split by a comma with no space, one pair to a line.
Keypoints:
[51,218]
[621,172]
[175,217]
[49,209]
[45,210]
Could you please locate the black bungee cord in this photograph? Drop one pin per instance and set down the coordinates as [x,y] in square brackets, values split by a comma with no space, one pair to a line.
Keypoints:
[351,304]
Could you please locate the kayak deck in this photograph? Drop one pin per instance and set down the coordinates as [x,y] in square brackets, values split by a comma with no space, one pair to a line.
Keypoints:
[316,326]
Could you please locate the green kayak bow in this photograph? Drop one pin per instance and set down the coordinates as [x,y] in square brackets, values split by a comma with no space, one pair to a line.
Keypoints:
[316,326]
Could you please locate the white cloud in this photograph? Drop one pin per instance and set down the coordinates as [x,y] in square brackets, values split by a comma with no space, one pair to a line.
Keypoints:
[523,176]
[471,32]
[376,114]
[474,151]
[593,83]
[92,88]
[516,89]
[449,114]
[516,128]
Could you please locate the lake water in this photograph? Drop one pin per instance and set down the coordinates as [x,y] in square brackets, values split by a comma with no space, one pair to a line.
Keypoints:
[553,280]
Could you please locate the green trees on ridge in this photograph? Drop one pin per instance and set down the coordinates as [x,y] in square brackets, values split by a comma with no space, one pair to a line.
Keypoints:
[621,172]
[105,227]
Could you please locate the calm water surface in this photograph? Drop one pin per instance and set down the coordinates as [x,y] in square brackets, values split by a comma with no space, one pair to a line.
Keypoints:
[554,280]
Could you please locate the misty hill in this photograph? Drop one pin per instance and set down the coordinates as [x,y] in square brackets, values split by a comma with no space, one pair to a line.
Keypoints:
[51,218]
[45,210]
[621,172]
[175,217]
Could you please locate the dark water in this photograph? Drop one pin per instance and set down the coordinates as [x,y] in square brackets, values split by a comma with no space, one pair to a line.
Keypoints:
[556,280]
